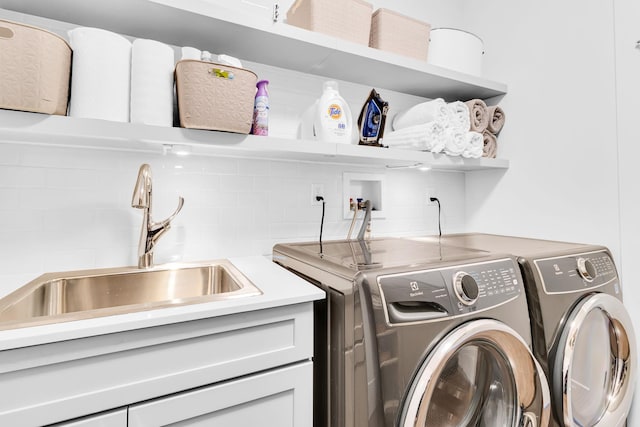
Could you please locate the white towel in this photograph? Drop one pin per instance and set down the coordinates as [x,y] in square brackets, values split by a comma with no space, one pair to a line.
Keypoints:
[434,110]
[474,145]
[454,141]
[191,53]
[152,66]
[100,75]
[229,60]
[458,116]
[423,137]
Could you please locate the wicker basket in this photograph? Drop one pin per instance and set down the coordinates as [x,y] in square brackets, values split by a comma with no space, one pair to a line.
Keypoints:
[214,96]
[35,66]
[400,34]
[345,19]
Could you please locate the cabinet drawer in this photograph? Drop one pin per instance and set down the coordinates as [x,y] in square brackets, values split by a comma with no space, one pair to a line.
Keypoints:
[116,418]
[110,371]
[281,397]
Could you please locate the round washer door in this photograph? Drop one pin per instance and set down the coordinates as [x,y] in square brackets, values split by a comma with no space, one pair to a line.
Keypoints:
[481,374]
[595,364]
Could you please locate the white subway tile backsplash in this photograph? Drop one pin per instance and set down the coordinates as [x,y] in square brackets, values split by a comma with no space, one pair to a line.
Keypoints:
[236,183]
[18,177]
[10,197]
[21,220]
[68,260]
[255,167]
[9,154]
[70,208]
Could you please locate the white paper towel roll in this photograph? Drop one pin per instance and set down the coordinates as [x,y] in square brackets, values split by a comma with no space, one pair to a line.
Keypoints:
[152,66]
[100,75]
[191,53]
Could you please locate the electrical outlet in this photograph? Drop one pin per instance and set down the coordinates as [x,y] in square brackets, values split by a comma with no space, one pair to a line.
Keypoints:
[317,190]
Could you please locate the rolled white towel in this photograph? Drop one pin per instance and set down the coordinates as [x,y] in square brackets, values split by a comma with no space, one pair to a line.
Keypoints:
[458,116]
[454,141]
[426,112]
[423,137]
[152,66]
[100,74]
[474,145]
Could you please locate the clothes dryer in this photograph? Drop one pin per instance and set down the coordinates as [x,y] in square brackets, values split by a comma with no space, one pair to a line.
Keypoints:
[582,333]
[419,334]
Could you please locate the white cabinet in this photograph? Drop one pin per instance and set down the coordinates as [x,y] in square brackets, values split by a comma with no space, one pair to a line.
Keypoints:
[254,38]
[211,367]
[280,397]
[115,418]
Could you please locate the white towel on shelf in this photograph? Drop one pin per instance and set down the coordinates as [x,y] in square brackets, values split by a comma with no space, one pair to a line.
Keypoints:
[474,145]
[458,116]
[100,75]
[152,66]
[454,141]
[426,112]
[190,53]
[423,137]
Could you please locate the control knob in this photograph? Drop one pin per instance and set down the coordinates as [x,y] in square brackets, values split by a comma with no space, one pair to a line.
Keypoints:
[465,287]
[586,269]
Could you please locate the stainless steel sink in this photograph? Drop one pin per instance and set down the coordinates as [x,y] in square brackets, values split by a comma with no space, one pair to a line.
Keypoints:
[59,297]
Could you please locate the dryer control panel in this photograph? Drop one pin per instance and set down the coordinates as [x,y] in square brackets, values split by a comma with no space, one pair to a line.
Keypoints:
[578,272]
[430,295]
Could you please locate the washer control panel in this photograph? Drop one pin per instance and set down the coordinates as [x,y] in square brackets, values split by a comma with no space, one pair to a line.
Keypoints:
[576,272]
[426,295]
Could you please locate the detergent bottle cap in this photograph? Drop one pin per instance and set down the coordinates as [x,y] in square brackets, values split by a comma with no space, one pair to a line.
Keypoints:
[330,85]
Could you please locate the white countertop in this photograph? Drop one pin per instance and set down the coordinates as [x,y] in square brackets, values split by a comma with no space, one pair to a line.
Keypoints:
[279,287]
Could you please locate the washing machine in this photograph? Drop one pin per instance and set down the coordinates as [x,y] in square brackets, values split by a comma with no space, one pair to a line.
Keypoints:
[582,334]
[419,334]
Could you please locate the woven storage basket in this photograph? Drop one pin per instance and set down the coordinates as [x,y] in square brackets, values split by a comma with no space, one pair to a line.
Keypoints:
[400,34]
[345,19]
[214,96]
[35,66]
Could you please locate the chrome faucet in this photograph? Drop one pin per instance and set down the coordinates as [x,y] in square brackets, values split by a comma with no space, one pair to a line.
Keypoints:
[151,231]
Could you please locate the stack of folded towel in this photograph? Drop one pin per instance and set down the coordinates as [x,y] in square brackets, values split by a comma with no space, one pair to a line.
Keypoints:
[488,121]
[456,128]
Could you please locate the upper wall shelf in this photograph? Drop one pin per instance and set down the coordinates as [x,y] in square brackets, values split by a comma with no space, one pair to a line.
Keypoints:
[210,25]
[64,131]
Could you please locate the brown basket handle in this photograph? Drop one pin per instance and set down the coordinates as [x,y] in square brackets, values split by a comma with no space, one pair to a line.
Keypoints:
[6,33]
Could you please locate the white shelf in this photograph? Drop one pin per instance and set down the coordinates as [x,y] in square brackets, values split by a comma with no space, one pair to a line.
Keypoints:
[64,131]
[254,37]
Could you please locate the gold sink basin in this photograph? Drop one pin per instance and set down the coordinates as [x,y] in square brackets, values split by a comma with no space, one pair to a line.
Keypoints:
[59,297]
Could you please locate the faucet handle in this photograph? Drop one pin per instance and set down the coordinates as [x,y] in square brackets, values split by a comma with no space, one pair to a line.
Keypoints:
[178,209]
[167,222]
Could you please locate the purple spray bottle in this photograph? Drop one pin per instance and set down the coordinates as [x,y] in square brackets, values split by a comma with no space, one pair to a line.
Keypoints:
[261,110]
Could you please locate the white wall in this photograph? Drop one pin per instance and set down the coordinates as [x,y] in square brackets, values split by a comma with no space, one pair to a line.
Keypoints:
[627,16]
[560,132]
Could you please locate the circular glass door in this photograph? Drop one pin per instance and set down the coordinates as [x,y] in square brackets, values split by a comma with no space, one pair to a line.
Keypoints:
[594,368]
[483,375]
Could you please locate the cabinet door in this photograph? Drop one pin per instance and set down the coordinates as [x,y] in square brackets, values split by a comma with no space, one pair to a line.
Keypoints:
[280,397]
[116,418]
